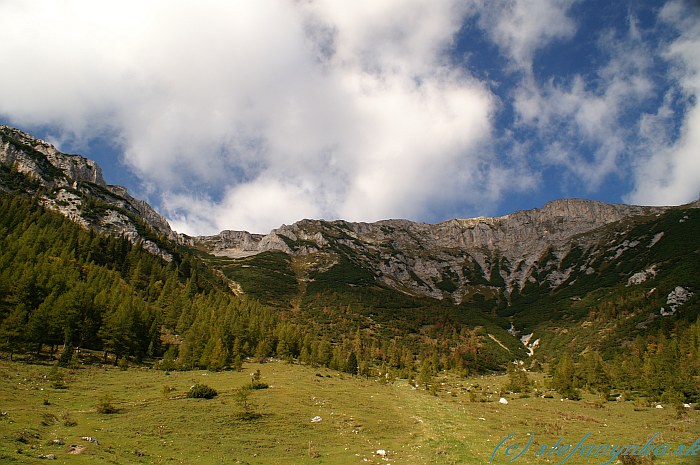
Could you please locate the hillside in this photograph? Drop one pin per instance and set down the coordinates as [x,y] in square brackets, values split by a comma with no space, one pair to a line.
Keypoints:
[104,271]
[74,186]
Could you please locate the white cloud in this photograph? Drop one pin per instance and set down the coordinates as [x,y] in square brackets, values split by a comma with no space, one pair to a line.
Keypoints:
[244,116]
[584,121]
[669,174]
[521,27]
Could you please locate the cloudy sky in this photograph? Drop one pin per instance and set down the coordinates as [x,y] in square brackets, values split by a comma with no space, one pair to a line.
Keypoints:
[245,115]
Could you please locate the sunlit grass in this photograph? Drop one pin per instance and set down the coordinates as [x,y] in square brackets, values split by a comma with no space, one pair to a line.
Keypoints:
[155,423]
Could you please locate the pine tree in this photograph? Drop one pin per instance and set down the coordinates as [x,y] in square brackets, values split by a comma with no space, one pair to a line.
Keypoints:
[518,380]
[563,380]
[218,359]
[351,365]
[12,330]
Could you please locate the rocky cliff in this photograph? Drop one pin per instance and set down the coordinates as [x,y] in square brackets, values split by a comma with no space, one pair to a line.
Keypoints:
[74,185]
[451,259]
[501,258]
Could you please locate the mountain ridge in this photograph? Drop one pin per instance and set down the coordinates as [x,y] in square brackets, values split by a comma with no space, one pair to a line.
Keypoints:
[74,185]
[421,258]
[454,259]
[574,275]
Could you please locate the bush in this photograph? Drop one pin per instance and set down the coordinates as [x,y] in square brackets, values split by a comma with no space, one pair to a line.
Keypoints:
[105,405]
[201,391]
[166,391]
[636,460]
[518,379]
[242,398]
[67,420]
[56,378]
[256,383]
[66,356]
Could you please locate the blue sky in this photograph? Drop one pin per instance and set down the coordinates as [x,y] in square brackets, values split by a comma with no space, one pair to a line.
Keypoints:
[247,115]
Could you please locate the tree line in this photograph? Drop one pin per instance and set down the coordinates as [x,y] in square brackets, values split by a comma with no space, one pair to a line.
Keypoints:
[66,288]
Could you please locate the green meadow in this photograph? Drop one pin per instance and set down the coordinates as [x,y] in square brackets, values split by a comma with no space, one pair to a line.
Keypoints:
[48,410]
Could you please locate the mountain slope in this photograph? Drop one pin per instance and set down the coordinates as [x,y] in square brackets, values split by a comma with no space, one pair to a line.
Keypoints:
[567,272]
[555,272]
[454,259]
[74,186]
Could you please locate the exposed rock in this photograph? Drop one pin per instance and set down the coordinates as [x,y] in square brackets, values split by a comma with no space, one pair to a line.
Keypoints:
[447,259]
[675,299]
[642,276]
[29,155]
[69,179]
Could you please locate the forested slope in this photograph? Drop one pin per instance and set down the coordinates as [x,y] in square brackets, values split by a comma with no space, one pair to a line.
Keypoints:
[64,287]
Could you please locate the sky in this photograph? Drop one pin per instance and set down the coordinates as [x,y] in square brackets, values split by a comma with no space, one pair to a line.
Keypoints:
[246,115]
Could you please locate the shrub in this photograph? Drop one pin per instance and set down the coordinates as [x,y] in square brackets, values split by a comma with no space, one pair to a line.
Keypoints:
[48,419]
[67,420]
[201,391]
[106,406]
[518,379]
[56,378]
[66,356]
[242,398]
[256,383]
[166,391]
[636,460]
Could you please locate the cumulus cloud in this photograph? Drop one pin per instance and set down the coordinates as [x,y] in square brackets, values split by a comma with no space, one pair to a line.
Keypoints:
[669,173]
[590,125]
[589,111]
[521,27]
[246,116]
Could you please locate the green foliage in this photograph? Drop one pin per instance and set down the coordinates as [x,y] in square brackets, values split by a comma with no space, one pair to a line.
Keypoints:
[201,391]
[56,378]
[166,390]
[62,285]
[66,356]
[106,406]
[267,276]
[563,378]
[256,381]
[518,379]
[636,459]
[123,364]
[245,404]
[351,364]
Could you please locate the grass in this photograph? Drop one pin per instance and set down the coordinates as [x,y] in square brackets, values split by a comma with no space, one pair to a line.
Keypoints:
[155,423]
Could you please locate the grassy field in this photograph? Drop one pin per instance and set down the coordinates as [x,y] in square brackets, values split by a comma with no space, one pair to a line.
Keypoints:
[156,424]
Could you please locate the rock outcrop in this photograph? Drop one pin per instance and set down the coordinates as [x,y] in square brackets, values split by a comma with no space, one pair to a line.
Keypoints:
[448,258]
[75,186]
[29,156]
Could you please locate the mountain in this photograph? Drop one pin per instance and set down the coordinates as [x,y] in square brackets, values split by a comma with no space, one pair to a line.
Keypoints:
[74,186]
[575,275]
[544,270]
[453,259]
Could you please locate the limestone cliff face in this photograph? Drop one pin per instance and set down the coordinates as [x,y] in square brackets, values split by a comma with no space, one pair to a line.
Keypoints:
[74,185]
[29,156]
[547,246]
[447,259]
